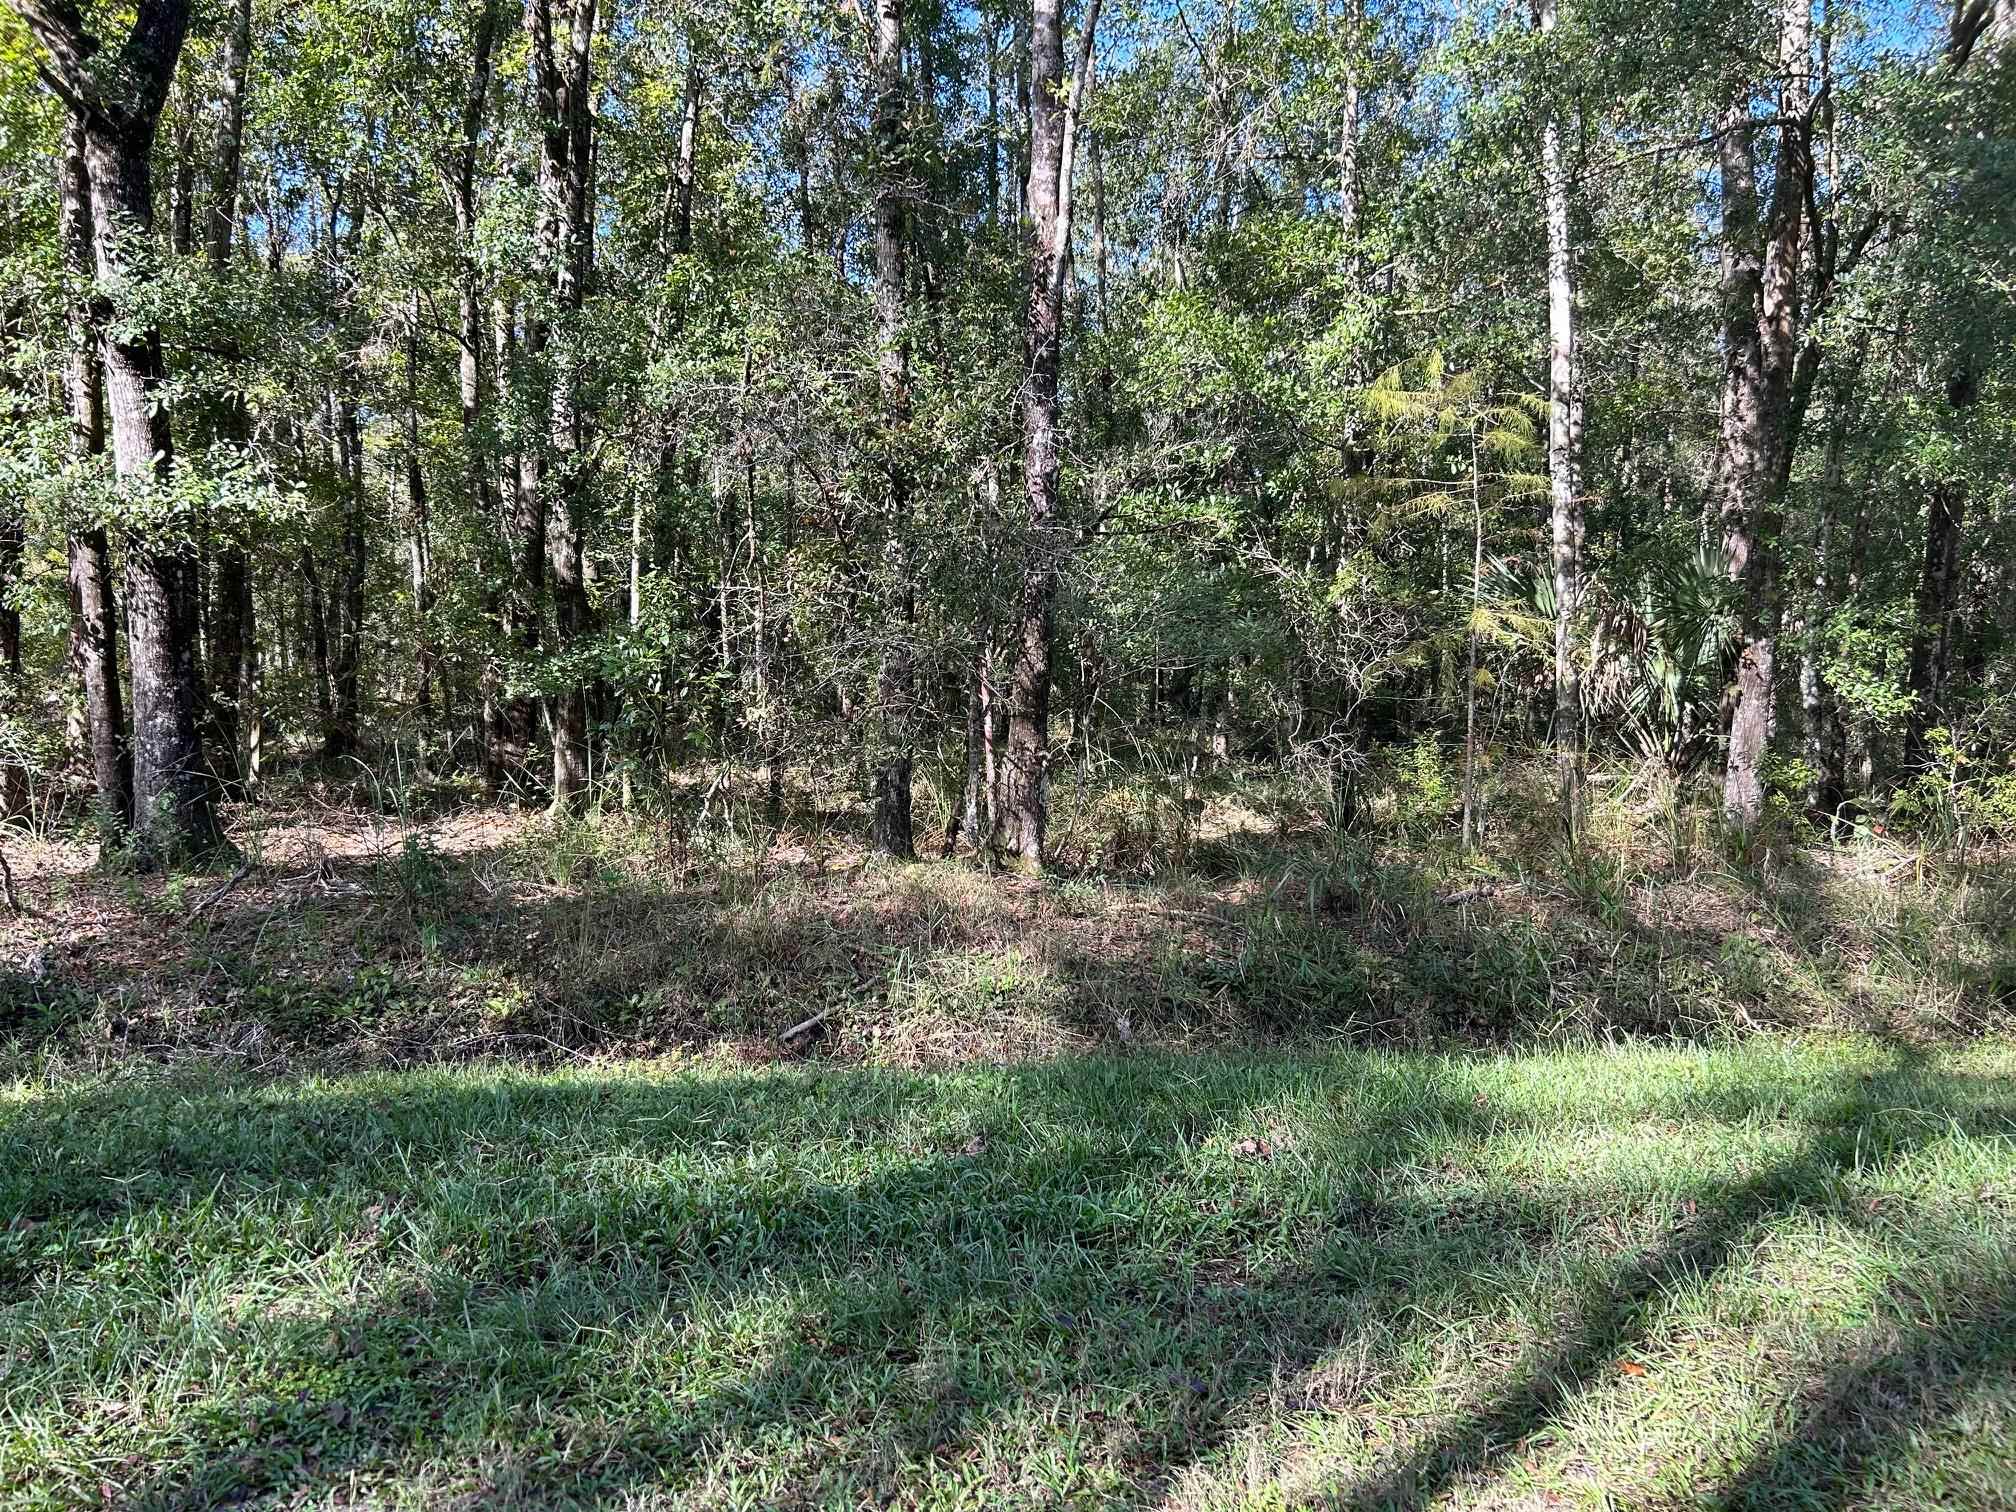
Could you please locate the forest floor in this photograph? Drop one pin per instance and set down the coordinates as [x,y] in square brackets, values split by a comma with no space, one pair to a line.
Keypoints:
[347,938]
[469,1160]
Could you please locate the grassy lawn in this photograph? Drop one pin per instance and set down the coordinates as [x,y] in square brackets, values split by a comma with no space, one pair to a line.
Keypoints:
[1775,1276]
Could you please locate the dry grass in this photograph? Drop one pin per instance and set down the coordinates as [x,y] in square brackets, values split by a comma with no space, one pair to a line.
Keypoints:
[354,938]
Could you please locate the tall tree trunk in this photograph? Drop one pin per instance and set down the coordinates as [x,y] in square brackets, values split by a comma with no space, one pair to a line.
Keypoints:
[890,739]
[562,82]
[94,612]
[1564,496]
[1751,459]
[421,547]
[13,546]
[971,816]
[229,651]
[120,110]
[1473,826]
[318,643]
[220,227]
[524,509]
[1021,816]
[478,455]
[1825,752]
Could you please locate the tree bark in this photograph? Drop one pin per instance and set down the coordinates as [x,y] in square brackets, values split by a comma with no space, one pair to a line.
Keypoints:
[13,545]
[525,544]
[119,110]
[318,642]
[1761,315]
[562,83]
[478,453]
[1021,816]
[421,546]
[94,611]
[1826,752]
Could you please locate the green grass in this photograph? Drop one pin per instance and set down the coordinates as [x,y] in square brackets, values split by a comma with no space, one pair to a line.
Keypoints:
[1772,1276]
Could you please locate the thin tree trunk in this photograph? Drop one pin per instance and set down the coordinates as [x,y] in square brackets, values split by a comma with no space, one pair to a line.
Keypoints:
[1347,125]
[890,827]
[420,549]
[13,546]
[1021,817]
[318,643]
[525,543]
[970,817]
[1824,755]
[1472,823]
[341,737]
[1932,638]
[479,461]
[1565,500]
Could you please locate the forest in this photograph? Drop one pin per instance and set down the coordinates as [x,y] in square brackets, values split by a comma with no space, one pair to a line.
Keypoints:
[1166,754]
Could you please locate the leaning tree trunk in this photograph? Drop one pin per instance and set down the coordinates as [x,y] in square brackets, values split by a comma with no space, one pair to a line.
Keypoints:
[1565,502]
[1020,818]
[890,829]
[93,608]
[120,109]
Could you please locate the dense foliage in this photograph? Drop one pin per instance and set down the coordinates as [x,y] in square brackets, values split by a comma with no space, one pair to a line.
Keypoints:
[666,384]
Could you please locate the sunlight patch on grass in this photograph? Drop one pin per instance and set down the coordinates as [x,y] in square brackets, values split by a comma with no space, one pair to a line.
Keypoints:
[1196,1282]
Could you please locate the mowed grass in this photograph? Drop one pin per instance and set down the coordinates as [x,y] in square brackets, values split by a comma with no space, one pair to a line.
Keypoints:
[1778,1275]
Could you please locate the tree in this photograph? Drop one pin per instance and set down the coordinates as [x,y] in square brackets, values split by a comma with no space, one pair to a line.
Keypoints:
[1053,121]
[118,101]
[1761,295]
[93,606]
[889,827]
[562,41]
[1563,484]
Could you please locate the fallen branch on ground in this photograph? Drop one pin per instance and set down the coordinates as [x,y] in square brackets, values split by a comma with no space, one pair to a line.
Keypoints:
[235,878]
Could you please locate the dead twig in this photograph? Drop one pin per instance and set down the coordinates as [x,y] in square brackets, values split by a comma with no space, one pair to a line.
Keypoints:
[235,878]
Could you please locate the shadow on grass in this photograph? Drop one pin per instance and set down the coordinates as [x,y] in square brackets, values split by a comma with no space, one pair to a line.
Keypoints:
[844,1287]
[1632,1299]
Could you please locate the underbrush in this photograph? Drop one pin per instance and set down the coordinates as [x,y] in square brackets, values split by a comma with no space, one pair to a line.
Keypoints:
[1209,909]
